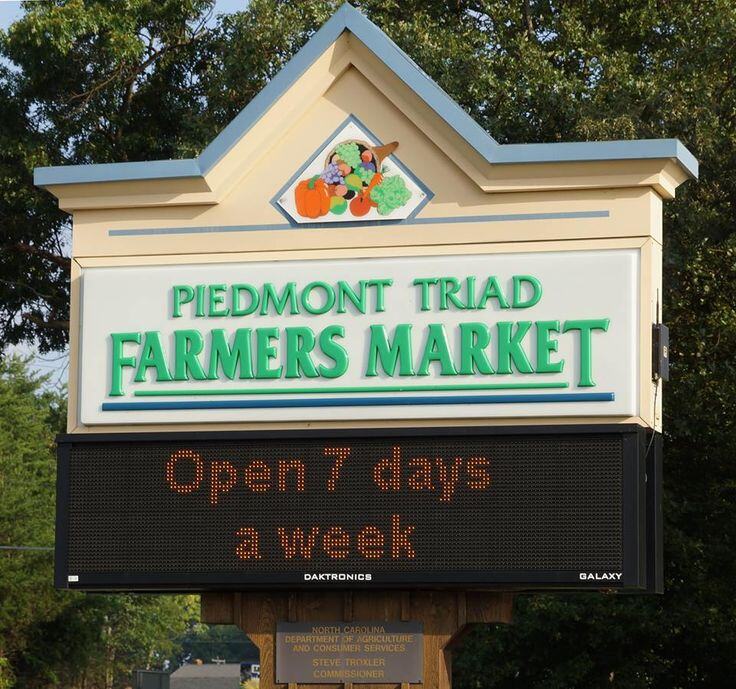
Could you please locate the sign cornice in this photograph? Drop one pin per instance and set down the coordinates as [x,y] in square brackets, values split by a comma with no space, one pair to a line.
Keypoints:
[347,19]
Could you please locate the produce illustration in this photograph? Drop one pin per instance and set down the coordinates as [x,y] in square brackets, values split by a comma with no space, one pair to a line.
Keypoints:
[353,182]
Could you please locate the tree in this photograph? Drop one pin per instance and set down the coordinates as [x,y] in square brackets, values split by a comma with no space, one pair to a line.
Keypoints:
[81,88]
[51,638]
[27,488]
[97,642]
[6,679]
[226,642]
[102,81]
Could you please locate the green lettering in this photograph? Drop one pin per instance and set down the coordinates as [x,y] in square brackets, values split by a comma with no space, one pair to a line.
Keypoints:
[334,351]
[183,294]
[255,299]
[493,291]
[230,359]
[398,351]
[436,349]
[425,283]
[199,312]
[510,349]
[266,352]
[586,327]
[470,287]
[474,338]
[288,295]
[119,361]
[380,285]
[449,287]
[546,345]
[299,343]
[329,297]
[217,298]
[519,280]
[345,290]
[152,356]
[188,344]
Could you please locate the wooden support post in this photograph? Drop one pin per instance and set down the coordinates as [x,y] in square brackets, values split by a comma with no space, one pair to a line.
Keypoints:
[445,617]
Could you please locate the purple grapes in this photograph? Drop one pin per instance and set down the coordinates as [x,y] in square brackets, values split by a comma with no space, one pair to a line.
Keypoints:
[331,174]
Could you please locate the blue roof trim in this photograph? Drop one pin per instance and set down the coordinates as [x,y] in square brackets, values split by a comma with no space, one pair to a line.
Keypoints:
[116,172]
[276,87]
[347,18]
[419,81]
[637,149]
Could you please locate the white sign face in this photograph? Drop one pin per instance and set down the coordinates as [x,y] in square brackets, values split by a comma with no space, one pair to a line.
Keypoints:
[459,336]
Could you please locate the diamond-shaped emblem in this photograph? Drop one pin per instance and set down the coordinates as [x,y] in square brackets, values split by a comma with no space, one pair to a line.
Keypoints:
[352,177]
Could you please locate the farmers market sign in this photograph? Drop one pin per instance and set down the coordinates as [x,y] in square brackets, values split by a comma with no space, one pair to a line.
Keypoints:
[352,177]
[515,334]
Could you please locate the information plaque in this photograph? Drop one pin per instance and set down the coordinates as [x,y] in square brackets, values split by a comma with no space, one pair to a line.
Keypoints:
[357,652]
[535,507]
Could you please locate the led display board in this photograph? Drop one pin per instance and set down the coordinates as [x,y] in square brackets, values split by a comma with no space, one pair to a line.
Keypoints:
[531,507]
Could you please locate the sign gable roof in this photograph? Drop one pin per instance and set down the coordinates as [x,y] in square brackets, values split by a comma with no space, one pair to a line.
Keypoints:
[348,19]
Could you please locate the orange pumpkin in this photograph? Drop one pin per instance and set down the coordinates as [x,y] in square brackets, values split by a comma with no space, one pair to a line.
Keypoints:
[312,198]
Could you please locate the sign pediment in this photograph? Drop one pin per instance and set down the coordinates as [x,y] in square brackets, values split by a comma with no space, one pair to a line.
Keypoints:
[659,163]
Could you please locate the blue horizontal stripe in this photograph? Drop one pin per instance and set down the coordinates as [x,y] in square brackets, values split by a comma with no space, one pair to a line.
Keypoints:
[360,401]
[506,217]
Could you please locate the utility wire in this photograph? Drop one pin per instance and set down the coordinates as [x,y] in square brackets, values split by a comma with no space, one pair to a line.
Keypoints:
[25,547]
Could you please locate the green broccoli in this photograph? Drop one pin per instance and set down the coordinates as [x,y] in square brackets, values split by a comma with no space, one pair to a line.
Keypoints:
[349,153]
[390,194]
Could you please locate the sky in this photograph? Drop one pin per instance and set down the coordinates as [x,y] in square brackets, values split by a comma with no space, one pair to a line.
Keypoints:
[55,365]
[10,10]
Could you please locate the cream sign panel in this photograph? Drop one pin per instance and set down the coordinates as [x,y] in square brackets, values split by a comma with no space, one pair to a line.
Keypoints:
[459,336]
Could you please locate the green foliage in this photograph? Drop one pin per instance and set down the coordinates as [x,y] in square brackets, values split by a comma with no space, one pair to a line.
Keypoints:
[84,81]
[27,481]
[114,80]
[6,677]
[50,638]
[226,642]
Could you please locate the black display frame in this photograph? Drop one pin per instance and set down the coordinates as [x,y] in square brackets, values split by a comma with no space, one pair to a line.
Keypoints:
[641,510]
